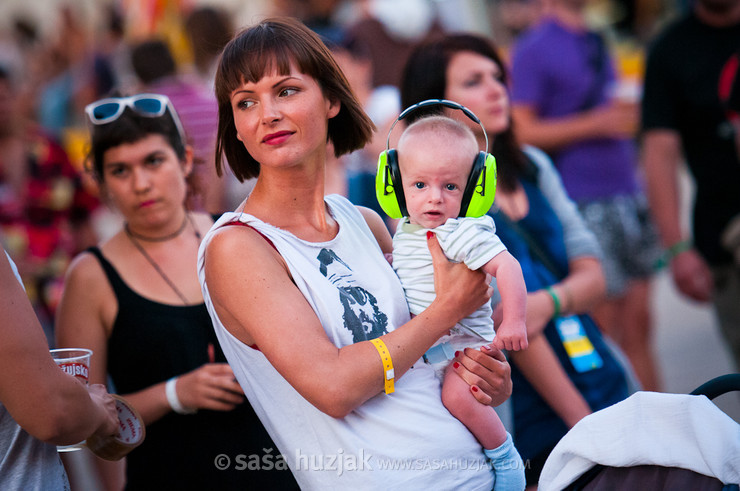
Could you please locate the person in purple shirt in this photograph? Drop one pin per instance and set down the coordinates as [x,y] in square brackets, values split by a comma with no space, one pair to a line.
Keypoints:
[565,101]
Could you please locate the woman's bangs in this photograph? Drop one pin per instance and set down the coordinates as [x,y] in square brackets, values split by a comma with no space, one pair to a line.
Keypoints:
[250,66]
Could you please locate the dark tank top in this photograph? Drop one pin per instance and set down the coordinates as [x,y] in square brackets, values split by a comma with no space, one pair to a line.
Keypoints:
[152,342]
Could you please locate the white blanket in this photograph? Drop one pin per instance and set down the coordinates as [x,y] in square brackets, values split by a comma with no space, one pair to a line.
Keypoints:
[669,430]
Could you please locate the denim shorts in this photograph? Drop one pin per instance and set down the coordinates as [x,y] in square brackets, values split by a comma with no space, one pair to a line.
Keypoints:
[627,234]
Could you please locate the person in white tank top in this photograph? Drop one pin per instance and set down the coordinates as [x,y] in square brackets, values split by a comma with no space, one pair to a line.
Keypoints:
[309,313]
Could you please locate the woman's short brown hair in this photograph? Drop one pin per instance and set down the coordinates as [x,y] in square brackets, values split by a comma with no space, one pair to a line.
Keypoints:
[275,43]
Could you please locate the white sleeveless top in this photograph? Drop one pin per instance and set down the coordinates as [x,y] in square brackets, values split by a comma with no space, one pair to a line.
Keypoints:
[407,438]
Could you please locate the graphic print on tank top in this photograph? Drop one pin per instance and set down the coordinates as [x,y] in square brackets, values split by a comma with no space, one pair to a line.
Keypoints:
[362,317]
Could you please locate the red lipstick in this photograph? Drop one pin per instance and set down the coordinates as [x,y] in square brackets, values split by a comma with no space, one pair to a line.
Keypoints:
[276,138]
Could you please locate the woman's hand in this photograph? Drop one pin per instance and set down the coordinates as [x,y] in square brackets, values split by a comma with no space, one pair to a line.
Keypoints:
[487,372]
[460,291]
[211,386]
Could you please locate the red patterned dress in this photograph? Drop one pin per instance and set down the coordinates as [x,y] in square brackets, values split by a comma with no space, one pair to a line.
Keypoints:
[43,218]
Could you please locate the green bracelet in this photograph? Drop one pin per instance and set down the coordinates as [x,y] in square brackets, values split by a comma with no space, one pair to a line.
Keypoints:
[677,248]
[555,301]
[674,250]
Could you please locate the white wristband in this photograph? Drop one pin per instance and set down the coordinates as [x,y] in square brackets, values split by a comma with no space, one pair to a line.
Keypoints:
[173,400]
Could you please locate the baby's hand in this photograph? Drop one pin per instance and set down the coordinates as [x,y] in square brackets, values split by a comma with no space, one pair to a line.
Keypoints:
[511,336]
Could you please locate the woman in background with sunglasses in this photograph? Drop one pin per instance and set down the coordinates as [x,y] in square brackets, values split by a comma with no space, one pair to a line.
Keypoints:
[136,302]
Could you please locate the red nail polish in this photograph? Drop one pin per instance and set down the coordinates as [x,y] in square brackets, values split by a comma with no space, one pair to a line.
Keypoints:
[474,388]
[430,234]
[456,365]
[457,353]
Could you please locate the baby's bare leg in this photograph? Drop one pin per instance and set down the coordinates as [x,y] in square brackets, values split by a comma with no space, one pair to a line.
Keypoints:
[485,425]
[481,420]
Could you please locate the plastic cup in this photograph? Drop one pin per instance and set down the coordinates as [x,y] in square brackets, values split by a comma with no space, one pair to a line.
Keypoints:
[131,433]
[76,363]
[73,361]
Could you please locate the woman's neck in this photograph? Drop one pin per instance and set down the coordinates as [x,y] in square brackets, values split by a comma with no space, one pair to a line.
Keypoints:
[161,232]
[292,202]
[514,204]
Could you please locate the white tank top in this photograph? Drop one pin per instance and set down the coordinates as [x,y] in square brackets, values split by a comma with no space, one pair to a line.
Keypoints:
[407,438]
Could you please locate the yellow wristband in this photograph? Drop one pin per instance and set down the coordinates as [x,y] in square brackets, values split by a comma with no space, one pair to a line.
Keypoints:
[385,356]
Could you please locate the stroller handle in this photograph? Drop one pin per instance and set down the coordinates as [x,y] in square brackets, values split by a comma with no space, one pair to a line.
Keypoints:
[718,386]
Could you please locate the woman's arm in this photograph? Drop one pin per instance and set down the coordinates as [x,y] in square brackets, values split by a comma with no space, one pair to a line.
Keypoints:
[584,286]
[81,321]
[43,400]
[578,292]
[257,301]
[84,317]
[211,386]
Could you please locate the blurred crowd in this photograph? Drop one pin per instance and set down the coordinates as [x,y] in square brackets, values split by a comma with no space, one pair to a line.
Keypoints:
[59,57]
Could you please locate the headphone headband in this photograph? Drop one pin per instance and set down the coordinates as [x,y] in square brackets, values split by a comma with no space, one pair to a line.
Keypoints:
[436,102]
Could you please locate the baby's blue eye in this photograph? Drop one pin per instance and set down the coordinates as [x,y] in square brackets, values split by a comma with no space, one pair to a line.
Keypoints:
[419,185]
[451,187]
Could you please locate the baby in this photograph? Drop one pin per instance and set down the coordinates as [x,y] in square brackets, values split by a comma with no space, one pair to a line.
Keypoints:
[435,158]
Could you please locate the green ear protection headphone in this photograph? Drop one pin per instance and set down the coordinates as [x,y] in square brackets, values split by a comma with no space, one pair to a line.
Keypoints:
[480,189]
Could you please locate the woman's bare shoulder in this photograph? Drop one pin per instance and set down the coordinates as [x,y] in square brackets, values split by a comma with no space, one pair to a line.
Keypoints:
[234,246]
[86,283]
[84,267]
[87,268]
[378,228]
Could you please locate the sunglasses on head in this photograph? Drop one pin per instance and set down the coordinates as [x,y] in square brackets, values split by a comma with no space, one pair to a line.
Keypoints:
[110,109]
